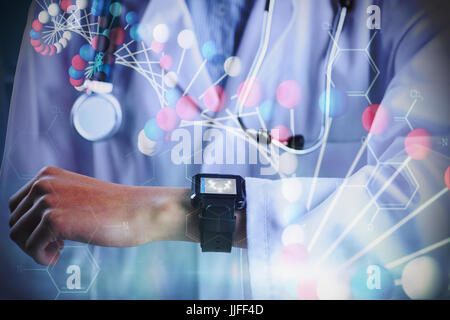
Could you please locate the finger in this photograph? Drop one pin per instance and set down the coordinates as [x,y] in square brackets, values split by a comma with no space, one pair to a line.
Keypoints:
[16,198]
[22,230]
[20,210]
[42,244]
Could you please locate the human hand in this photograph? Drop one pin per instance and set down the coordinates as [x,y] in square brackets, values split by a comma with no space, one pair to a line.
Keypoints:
[57,205]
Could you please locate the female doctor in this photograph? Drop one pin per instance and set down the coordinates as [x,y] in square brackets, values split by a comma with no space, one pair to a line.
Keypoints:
[296,236]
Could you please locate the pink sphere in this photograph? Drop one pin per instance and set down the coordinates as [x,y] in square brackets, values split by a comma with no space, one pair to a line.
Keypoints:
[294,254]
[39,48]
[52,50]
[447,177]
[187,108]
[36,25]
[78,63]
[166,62]
[65,4]
[167,119]
[76,83]
[35,43]
[214,98]
[375,118]
[307,290]
[418,144]
[288,94]
[280,133]
[46,50]
[157,46]
[117,35]
[254,94]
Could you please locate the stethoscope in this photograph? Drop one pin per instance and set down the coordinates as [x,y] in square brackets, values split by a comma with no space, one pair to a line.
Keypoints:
[97,115]
[295,144]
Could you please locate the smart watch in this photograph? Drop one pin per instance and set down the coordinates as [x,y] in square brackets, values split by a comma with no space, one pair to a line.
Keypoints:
[218,196]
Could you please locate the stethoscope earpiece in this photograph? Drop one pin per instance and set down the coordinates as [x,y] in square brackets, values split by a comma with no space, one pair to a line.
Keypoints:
[296,142]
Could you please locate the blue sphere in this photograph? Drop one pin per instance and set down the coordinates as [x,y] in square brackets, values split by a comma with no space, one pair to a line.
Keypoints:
[115,9]
[372,282]
[97,7]
[266,109]
[152,130]
[131,17]
[35,35]
[75,74]
[87,52]
[209,50]
[106,68]
[338,102]
[134,33]
[172,97]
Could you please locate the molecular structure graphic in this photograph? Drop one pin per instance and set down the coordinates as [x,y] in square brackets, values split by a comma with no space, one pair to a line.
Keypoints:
[108,43]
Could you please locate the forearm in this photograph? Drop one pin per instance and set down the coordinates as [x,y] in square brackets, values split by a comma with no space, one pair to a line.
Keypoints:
[157,214]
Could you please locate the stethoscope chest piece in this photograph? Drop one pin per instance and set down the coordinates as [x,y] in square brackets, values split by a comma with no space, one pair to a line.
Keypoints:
[96,116]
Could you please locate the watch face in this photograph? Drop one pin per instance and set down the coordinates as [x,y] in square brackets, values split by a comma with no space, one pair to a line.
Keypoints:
[218,186]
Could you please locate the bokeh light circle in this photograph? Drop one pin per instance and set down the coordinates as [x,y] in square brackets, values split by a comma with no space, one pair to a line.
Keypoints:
[288,94]
[280,133]
[145,145]
[186,39]
[254,92]
[166,62]
[171,79]
[209,50]
[291,189]
[214,98]
[232,66]
[331,286]
[161,33]
[292,234]
[376,119]
[187,108]
[447,177]
[418,144]
[167,119]
[152,130]
[423,278]
[307,289]
[338,102]
[288,163]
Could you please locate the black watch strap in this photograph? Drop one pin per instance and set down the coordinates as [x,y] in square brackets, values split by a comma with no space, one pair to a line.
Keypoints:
[217,224]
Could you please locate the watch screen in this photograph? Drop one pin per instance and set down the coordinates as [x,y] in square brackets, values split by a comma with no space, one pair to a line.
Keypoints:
[218,185]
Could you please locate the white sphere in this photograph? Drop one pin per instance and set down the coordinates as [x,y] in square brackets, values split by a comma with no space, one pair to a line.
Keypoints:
[82,4]
[145,145]
[67,35]
[43,17]
[53,9]
[293,233]
[422,278]
[171,79]
[63,42]
[161,33]
[288,163]
[291,189]
[186,39]
[58,47]
[333,287]
[232,66]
